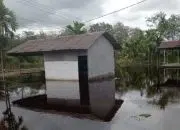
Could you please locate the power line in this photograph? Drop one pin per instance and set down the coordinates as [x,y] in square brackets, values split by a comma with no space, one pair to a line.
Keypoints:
[35,21]
[115,11]
[87,21]
[51,8]
[45,9]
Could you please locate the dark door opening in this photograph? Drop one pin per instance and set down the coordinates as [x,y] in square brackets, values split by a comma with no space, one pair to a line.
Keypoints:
[83,80]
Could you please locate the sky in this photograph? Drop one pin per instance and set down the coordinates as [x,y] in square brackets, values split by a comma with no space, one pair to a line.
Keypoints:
[54,15]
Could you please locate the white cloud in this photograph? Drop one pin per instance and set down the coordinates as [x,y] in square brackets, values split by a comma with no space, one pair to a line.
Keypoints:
[53,14]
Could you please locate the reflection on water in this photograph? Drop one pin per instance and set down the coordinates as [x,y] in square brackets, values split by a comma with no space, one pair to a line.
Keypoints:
[140,110]
[25,86]
[102,96]
[63,89]
[141,79]
[166,96]
[1,93]
[145,80]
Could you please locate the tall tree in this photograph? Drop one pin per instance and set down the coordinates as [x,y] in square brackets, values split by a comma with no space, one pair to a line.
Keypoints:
[158,27]
[120,33]
[8,24]
[101,27]
[76,28]
[162,28]
[173,31]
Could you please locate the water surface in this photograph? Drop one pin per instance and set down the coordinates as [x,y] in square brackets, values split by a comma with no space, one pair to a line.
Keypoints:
[146,106]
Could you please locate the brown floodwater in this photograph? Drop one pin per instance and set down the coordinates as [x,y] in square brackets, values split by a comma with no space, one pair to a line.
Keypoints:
[145,107]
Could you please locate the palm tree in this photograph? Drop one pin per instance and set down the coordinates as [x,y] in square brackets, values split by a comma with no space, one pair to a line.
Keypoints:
[76,28]
[8,24]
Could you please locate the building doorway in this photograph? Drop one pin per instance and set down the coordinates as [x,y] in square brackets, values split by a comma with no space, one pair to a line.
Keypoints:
[83,80]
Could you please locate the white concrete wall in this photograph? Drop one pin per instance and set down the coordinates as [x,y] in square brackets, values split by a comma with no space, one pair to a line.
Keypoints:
[61,66]
[102,97]
[100,58]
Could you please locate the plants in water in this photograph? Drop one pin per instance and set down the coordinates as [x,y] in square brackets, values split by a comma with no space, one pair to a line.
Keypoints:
[9,121]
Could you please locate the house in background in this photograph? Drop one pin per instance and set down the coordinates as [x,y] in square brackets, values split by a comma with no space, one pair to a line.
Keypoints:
[86,58]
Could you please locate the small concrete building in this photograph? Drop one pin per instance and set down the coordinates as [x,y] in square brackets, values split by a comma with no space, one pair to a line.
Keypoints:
[86,58]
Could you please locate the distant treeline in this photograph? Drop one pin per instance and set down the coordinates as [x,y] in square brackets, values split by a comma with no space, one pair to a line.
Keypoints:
[135,46]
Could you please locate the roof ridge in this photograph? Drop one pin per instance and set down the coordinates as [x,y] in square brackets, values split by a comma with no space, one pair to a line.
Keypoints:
[61,36]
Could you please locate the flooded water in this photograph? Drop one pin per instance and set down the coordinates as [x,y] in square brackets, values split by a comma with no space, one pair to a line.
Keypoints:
[146,106]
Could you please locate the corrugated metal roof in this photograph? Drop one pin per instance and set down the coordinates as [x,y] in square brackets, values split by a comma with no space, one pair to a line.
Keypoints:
[73,42]
[170,44]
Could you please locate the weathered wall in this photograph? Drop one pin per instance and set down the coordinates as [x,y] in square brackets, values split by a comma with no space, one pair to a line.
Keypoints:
[61,66]
[100,58]
[63,89]
[102,97]
[101,63]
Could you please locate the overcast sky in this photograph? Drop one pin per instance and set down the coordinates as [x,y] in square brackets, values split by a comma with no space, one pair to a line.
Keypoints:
[54,14]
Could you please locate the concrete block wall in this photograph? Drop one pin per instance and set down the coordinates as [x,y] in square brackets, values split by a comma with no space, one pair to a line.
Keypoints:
[61,66]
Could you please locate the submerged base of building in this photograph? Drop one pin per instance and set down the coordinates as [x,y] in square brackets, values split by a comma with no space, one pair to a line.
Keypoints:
[63,106]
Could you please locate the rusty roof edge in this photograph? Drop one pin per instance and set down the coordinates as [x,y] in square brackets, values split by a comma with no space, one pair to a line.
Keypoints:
[166,44]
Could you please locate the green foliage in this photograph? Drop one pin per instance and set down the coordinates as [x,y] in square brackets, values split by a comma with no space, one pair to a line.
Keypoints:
[135,49]
[9,121]
[76,28]
[140,47]
[164,28]
[137,46]
[101,27]
[121,33]
[8,24]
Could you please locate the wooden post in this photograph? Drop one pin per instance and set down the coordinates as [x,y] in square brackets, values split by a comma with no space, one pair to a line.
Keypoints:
[164,63]
[178,55]
[158,70]
[167,57]
[178,64]
[164,56]
[2,66]
[19,67]
[148,61]
[3,77]
[7,100]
